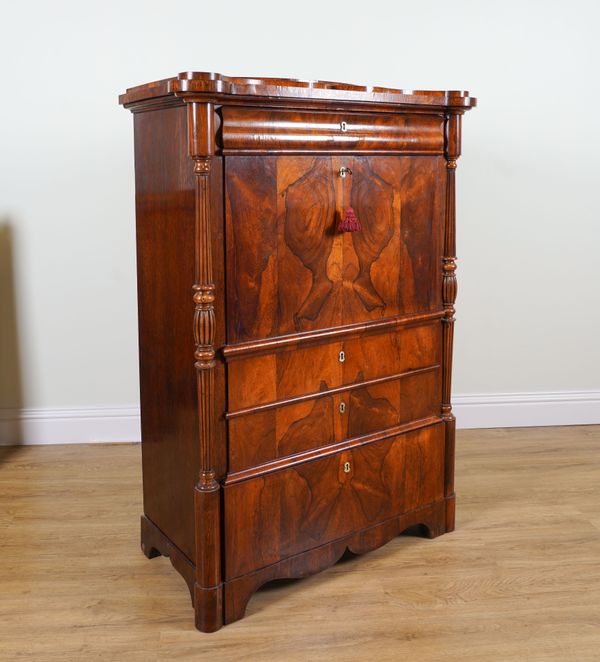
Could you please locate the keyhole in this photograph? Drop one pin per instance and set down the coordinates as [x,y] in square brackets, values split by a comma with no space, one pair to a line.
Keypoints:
[343,127]
[342,407]
[342,356]
[346,467]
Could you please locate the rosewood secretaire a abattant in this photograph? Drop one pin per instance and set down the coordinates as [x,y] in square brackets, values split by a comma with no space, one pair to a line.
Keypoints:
[296,259]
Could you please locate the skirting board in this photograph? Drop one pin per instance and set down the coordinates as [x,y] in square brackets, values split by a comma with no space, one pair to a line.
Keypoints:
[515,410]
[69,426]
[114,424]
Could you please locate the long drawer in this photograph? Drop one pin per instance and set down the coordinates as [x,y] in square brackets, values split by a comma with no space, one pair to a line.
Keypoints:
[281,375]
[252,129]
[329,417]
[276,515]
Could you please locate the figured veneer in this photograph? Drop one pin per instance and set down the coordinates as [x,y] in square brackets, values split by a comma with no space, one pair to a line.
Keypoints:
[295,379]
[256,380]
[305,338]
[316,502]
[252,130]
[280,430]
[303,274]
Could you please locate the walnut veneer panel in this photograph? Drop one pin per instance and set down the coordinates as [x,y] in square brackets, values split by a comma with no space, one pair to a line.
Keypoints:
[285,430]
[246,129]
[257,380]
[316,502]
[290,270]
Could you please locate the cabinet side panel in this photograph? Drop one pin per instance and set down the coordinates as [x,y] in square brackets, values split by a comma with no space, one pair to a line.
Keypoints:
[165,204]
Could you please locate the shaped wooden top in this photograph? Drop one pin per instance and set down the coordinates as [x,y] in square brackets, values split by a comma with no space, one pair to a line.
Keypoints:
[217,87]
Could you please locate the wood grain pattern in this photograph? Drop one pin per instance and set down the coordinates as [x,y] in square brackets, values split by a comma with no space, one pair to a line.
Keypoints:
[266,435]
[314,503]
[327,450]
[165,208]
[392,403]
[256,130]
[267,378]
[208,85]
[282,431]
[302,274]
[307,338]
[407,349]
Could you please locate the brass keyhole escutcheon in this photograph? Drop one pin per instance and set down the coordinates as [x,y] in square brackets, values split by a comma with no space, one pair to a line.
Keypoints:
[342,356]
[343,127]
[346,467]
[342,407]
[344,171]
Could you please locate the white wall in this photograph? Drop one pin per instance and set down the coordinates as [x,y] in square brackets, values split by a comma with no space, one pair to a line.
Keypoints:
[528,204]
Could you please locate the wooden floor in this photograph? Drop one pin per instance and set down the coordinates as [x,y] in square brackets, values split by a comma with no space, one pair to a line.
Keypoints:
[518,580]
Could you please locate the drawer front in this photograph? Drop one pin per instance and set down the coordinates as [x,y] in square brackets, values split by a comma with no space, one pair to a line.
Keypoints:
[280,375]
[277,515]
[290,269]
[254,129]
[282,431]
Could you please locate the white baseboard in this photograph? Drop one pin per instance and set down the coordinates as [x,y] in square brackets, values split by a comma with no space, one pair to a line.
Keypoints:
[112,424]
[515,410]
[69,426]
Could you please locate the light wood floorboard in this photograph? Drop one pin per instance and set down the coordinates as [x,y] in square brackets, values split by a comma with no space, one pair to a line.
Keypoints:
[518,580]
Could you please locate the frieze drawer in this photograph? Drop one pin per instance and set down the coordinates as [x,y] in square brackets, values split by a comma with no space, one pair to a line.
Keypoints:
[250,130]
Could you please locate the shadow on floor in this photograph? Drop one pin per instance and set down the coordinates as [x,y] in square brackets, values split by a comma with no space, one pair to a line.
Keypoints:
[11,387]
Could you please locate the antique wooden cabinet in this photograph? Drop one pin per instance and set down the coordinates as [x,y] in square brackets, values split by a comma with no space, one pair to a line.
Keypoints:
[296,280]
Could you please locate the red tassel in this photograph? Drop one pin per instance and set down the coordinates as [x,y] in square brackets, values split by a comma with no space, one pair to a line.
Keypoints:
[350,222]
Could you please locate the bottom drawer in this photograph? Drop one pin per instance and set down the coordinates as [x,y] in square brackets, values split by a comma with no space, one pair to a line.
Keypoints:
[271,517]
